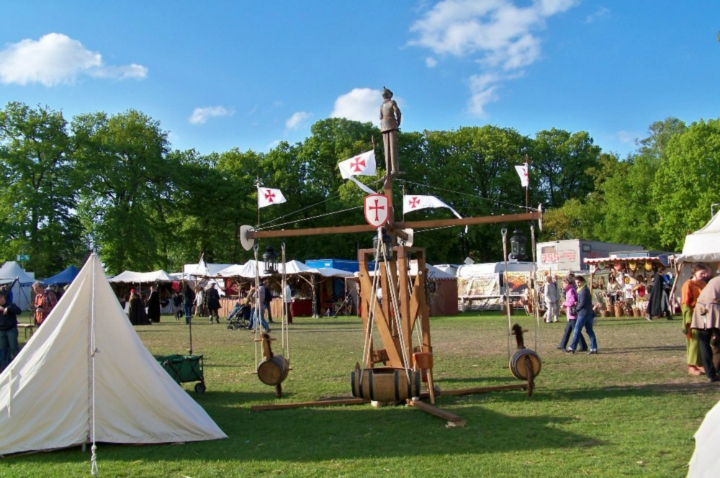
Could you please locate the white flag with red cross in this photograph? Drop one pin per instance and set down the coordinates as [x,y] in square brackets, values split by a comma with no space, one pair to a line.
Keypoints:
[413,202]
[522,171]
[360,165]
[269,197]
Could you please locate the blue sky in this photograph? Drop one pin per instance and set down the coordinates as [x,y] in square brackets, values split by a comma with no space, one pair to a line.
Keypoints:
[247,74]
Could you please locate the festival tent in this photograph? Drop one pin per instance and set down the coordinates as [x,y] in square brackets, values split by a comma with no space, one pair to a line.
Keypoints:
[85,377]
[705,461]
[64,277]
[142,277]
[702,245]
[21,289]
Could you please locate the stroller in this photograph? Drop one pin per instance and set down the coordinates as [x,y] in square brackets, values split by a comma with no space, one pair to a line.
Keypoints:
[238,318]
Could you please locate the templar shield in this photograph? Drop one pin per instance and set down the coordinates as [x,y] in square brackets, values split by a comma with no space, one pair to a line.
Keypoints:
[376,209]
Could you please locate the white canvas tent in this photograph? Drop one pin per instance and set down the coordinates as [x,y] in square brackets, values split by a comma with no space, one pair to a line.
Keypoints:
[142,277]
[703,245]
[10,271]
[86,377]
[705,461]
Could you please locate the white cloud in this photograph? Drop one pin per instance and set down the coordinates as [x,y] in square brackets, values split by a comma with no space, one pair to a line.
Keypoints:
[57,59]
[599,14]
[297,120]
[431,62]
[361,104]
[626,137]
[500,34]
[201,115]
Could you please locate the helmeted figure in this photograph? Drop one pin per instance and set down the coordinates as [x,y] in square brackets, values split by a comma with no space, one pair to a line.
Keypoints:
[390,118]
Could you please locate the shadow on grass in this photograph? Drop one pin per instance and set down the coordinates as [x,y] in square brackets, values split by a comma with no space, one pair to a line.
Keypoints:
[344,433]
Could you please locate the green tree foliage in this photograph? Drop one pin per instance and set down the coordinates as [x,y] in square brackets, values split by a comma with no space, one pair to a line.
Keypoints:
[38,193]
[126,188]
[686,183]
[561,161]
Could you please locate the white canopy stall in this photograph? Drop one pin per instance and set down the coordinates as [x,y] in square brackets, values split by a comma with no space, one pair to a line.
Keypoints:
[21,288]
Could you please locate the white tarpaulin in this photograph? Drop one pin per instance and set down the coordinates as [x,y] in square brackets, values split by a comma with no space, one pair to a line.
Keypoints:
[86,377]
[142,277]
[703,245]
[705,461]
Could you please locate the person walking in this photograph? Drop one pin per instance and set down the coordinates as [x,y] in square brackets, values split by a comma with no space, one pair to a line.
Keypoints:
[188,301]
[212,296]
[585,317]
[659,304]
[550,293]
[266,298]
[570,305]
[177,304]
[44,302]
[691,290]
[8,331]
[287,300]
[706,320]
[154,305]
[199,301]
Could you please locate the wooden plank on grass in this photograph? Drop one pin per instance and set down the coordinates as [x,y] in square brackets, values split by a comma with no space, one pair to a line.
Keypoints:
[317,403]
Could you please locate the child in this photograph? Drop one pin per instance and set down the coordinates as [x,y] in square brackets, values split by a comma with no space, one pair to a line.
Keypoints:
[8,331]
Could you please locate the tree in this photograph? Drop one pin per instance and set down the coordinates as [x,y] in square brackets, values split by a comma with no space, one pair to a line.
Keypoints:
[126,191]
[686,182]
[38,198]
[561,161]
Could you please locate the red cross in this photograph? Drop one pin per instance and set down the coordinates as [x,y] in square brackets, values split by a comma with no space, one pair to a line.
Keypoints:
[269,195]
[357,164]
[414,202]
[377,218]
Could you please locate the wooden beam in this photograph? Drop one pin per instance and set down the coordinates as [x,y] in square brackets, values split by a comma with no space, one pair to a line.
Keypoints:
[452,419]
[317,403]
[471,391]
[466,221]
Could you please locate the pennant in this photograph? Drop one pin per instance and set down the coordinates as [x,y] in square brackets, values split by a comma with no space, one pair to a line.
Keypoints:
[522,171]
[413,203]
[361,165]
[361,185]
[269,197]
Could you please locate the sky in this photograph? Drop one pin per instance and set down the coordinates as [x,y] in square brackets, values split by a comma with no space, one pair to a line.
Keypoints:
[249,74]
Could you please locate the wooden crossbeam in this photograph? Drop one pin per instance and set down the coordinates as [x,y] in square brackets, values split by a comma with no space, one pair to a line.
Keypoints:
[466,221]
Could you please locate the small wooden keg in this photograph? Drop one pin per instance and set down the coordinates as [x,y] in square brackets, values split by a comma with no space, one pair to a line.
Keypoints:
[273,371]
[385,384]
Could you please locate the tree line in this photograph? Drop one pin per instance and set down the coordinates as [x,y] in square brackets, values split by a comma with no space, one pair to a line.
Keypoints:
[114,184]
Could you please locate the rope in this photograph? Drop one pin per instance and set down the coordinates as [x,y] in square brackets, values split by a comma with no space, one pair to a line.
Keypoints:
[93,350]
[301,210]
[507,296]
[310,218]
[284,330]
[515,206]
[536,299]
[371,311]
[396,310]
[257,320]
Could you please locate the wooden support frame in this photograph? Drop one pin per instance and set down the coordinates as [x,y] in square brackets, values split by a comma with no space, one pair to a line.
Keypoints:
[412,306]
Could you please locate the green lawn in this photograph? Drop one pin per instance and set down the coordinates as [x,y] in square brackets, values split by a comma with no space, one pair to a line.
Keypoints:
[631,410]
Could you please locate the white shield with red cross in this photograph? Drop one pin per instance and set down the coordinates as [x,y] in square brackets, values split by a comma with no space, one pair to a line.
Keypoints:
[376,209]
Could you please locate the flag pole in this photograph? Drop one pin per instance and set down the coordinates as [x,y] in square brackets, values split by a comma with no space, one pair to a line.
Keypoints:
[257,185]
[527,185]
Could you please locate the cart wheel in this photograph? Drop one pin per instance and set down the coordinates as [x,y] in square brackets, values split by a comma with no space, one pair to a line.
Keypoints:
[200,387]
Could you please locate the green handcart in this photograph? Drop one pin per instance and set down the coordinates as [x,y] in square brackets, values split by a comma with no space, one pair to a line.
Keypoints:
[184,368]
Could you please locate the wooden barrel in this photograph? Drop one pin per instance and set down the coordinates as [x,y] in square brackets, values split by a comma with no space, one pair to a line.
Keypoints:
[619,311]
[519,366]
[273,371]
[385,384]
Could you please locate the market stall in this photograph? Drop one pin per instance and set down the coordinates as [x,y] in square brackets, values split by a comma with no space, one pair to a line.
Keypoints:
[620,286]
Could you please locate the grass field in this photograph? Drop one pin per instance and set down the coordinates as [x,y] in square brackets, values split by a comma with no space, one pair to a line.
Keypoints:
[630,411]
